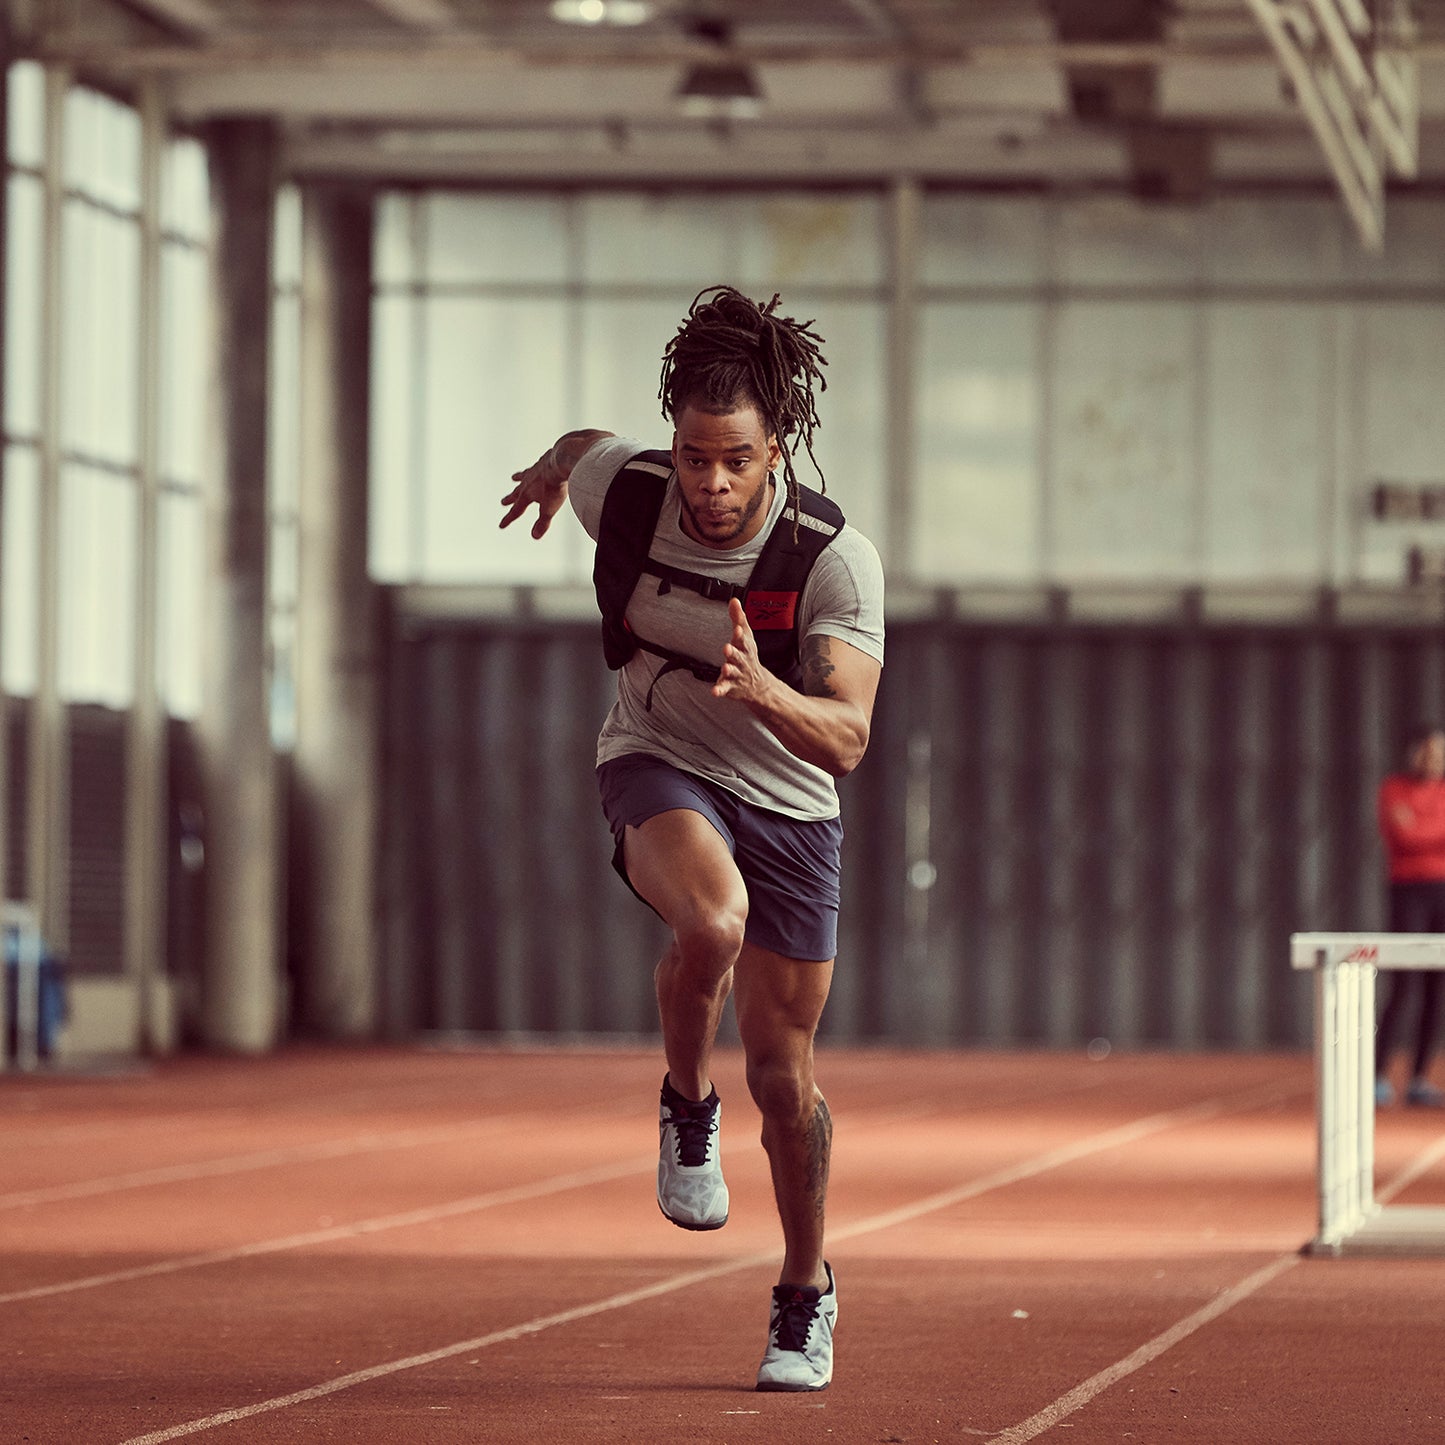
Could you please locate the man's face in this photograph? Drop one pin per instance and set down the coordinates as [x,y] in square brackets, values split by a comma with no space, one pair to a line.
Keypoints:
[723,464]
[1429,757]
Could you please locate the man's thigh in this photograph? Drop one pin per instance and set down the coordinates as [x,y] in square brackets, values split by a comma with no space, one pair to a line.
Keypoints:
[789,868]
[678,863]
[673,844]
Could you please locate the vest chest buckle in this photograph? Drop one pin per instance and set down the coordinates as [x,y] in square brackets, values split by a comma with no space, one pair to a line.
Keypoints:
[716,590]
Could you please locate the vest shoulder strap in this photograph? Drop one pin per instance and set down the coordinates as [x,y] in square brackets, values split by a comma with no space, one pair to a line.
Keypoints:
[778,579]
[624,537]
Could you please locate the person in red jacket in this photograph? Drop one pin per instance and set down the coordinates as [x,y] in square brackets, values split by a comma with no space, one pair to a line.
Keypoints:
[1412,825]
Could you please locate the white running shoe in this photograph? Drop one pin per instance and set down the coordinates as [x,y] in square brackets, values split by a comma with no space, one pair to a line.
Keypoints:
[800,1338]
[690,1188]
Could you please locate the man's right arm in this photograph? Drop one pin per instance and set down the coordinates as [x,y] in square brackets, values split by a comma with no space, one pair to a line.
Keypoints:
[545,481]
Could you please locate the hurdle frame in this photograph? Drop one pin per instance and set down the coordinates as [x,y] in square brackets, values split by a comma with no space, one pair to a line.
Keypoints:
[1345,966]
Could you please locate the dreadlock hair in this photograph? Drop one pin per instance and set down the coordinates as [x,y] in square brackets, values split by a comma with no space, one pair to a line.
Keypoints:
[731,352]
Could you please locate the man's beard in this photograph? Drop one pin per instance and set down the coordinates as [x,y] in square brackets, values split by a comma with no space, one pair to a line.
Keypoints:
[743,518]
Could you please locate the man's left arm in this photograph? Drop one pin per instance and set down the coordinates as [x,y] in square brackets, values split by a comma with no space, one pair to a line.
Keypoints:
[828,722]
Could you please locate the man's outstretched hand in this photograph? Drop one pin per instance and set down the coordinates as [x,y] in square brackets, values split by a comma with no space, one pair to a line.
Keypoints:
[545,481]
[541,483]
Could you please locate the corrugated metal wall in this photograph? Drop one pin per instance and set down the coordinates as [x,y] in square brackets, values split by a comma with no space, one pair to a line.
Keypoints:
[1060,833]
[95,737]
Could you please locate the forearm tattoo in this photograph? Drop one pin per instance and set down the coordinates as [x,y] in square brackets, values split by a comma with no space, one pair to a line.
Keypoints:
[820,1148]
[817,668]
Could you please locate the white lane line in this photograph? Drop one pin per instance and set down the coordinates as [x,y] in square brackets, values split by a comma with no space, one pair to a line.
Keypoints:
[447,1352]
[1068,1153]
[1421,1164]
[1081,1394]
[556,1185]
[368,1143]
[1112,1138]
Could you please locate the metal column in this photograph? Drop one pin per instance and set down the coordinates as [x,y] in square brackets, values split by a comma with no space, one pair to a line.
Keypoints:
[241,990]
[145,725]
[336,758]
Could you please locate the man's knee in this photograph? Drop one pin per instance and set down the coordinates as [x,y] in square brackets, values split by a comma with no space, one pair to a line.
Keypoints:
[783,1090]
[708,941]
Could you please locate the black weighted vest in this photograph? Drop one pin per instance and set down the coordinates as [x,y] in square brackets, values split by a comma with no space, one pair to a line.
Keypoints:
[770,596]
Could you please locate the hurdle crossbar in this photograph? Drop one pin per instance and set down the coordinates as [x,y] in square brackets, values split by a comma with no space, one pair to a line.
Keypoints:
[1345,965]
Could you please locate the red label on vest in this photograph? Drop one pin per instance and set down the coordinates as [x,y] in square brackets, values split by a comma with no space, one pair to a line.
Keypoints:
[770,611]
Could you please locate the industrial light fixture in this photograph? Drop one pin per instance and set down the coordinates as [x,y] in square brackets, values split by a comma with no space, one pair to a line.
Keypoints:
[601,12]
[721,89]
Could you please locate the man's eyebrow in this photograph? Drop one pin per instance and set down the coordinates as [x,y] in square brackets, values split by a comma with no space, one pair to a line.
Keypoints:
[741,447]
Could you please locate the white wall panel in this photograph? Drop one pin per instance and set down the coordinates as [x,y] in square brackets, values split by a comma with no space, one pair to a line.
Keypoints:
[979,508]
[184,371]
[763,241]
[24,265]
[1303,243]
[518,240]
[984,241]
[97,596]
[182,588]
[20,571]
[1268,450]
[1114,241]
[394,258]
[852,412]
[1414,250]
[491,365]
[1398,372]
[397,489]
[1123,444]
[25,120]
[1103,392]
[620,363]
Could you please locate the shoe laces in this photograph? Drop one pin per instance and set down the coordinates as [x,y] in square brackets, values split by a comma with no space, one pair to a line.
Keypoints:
[693,1126]
[795,1319]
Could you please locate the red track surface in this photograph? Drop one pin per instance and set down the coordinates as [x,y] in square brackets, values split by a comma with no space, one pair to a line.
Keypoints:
[412,1246]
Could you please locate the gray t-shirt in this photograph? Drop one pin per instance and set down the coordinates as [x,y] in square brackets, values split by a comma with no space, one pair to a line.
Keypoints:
[718,738]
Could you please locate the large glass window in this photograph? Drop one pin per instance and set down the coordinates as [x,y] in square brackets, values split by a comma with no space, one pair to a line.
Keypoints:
[99,390]
[184,409]
[24,360]
[97,348]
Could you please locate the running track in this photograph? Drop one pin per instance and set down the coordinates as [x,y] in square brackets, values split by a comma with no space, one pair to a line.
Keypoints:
[440,1246]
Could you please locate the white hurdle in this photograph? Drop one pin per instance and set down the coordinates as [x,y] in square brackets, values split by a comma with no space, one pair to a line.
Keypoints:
[1345,966]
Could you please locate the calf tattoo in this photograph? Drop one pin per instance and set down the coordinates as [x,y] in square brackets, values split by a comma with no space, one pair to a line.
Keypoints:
[818,668]
[820,1146]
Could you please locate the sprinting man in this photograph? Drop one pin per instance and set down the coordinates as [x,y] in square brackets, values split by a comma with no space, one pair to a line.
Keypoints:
[746,620]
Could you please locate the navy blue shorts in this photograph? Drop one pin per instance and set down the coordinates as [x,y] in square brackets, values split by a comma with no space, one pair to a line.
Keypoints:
[789,866]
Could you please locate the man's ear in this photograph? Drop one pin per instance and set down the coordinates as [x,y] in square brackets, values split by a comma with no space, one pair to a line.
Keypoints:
[775,452]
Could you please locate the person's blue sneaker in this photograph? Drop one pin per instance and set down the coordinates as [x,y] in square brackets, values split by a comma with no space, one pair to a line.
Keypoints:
[690,1188]
[1384,1093]
[1424,1095]
[800,1338]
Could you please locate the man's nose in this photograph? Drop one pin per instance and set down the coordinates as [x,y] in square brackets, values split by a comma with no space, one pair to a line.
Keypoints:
[717,479]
